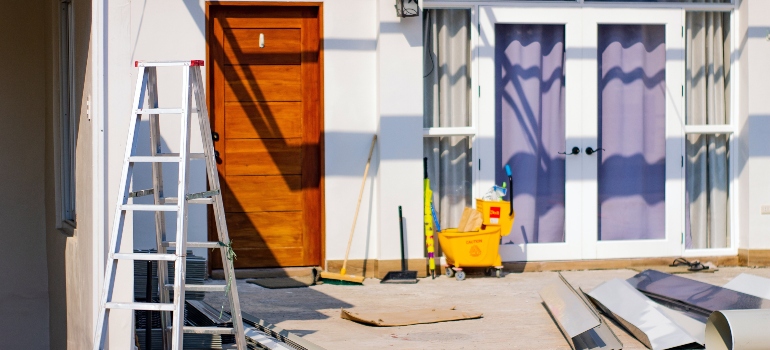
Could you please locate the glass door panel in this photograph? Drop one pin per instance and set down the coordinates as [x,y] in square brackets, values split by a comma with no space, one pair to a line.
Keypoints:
[530,127]
[529,113]
[632,131]
[633,183]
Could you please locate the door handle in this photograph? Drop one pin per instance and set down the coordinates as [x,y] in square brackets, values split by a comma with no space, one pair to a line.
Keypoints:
[575,150]
[590,151]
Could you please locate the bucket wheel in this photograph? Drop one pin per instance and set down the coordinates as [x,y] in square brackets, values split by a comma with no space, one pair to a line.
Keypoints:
[460,275]
[449,272]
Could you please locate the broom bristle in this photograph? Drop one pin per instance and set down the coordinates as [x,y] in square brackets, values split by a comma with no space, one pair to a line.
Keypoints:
[340,282]
[329,276]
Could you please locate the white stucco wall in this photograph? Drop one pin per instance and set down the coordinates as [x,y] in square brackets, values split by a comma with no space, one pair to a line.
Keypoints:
[400,126]
[350,121]
[758,110]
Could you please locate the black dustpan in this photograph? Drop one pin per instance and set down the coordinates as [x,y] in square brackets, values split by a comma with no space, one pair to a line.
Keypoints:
[402,276]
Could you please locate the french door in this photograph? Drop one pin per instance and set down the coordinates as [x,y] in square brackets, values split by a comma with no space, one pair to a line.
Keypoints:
[586,106]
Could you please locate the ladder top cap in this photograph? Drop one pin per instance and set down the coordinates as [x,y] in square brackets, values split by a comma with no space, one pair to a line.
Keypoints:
[191,63]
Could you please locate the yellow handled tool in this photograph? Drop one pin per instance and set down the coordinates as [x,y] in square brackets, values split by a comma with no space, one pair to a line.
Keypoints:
[428,218]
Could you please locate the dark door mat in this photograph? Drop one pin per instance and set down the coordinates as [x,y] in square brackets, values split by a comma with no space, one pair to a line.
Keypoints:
[674,270]
[284,282]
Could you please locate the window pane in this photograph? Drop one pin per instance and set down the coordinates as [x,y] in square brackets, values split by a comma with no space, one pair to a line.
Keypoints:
[68,120]
[449,170]
[707,218]
[708,68]
[632,132]
[447,82]
[530,127]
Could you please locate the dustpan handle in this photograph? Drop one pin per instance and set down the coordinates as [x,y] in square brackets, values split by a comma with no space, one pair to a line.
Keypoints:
[401,228]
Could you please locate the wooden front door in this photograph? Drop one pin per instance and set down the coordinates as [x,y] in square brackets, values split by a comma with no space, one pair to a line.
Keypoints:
[265,103]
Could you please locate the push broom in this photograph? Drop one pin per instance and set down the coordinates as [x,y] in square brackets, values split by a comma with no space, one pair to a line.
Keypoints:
[342,277]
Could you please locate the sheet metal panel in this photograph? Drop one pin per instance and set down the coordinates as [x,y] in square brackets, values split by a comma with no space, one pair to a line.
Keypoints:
[645,319]
[695,296]
[738,330]
[751,285]
[577,318]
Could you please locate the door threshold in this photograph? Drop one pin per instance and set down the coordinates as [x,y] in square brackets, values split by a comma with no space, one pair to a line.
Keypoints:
[267,272]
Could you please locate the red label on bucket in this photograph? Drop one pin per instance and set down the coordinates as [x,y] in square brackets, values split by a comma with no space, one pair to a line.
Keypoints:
[494,215]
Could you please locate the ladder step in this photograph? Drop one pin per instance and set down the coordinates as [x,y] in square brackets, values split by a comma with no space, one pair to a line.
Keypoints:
[191,63]
[164,158]
[159,111]
[207,330]
[211,245]
[172,200]
[201,287]
[149,207]
[145,256]
[141,306]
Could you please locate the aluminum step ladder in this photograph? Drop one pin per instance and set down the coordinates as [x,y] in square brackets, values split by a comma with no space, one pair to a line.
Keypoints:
[172,312]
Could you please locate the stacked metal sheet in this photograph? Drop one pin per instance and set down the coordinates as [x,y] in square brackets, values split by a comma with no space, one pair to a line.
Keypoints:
[274,332]
[699,299]
[140,317]
[577,318]
[656,326]
[193,317]
[259,334]
[195,274]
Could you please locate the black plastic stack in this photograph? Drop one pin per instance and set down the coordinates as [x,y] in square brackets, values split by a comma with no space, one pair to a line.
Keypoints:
[195,274]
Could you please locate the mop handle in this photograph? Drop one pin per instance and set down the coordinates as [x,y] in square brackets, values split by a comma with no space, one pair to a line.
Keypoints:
[510,185]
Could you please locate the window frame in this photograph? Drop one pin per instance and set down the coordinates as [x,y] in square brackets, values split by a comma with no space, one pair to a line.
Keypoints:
[472,130]
[66,124]
[731,128]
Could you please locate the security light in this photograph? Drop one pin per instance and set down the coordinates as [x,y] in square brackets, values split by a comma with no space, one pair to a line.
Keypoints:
[407,8]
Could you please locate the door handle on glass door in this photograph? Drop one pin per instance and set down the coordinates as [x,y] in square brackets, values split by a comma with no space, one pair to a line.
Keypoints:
[590,151]
[575,150]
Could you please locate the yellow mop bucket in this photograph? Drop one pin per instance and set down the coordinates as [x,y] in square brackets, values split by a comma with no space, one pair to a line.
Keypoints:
[478,248]
[471,249]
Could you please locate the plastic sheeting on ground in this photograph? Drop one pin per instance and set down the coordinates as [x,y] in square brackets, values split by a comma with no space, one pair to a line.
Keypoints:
[577,318]
[656,326]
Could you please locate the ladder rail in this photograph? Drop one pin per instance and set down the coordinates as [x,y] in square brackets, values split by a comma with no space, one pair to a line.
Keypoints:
[218,207]
[181,219]
[116,234]
[160,216]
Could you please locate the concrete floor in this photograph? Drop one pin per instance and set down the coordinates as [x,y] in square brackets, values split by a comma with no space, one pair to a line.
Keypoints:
[514,317]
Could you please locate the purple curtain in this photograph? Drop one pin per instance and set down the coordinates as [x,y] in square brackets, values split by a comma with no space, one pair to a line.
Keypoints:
[632,125]
[530,127]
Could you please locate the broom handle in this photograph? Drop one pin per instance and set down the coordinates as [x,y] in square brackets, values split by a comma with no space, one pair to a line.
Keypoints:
[358,206]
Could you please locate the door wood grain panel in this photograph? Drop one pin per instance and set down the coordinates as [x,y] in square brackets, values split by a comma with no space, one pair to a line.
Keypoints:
[263,83]
[245,194]
[264,120]
[266,229]
[264,157]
